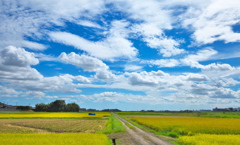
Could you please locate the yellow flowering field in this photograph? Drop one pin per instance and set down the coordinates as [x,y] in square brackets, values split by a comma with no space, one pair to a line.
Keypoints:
[52,115]
[54,139]
[190,126]
[210,139]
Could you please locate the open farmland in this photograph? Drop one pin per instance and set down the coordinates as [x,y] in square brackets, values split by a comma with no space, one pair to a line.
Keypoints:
[54,128]
[210,139]
[184,126]
[194,128]
[52,115]
[52,125]
[184,114]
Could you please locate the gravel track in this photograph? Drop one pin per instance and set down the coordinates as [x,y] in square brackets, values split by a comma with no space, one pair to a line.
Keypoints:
[142,137]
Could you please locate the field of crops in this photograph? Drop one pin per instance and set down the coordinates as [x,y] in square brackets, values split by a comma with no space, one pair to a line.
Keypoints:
[54,128]
[187,114]
[52,115]
[184,126]
[55,139]
[210,139]
[52,125]
[194,130]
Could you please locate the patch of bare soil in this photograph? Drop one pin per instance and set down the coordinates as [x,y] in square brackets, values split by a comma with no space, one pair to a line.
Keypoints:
[28,128]
[123,138]
[137,136]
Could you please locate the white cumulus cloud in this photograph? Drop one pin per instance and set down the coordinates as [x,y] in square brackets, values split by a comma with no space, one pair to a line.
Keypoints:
[86,62]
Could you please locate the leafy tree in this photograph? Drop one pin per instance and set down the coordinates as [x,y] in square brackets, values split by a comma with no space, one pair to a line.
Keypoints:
[57,106]
[23,107]
[42,107]
[72,107]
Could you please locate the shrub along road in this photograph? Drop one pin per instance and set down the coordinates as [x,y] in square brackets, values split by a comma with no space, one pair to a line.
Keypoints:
[140,137]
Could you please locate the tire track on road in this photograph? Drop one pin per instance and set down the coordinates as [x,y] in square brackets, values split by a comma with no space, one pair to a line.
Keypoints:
[142,137]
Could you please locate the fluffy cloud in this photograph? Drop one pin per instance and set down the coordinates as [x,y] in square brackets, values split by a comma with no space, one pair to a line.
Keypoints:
[89,24]
[132,68]
[224,94]
[8,92]
[166,46]
[86,62]
[202,55]
[15,64]
[110,48]
[220,67]
[213,91]
[145,11]
[34,94]
[163,62]
[116,97]
[196,77]
[224,82]
[82,79]
[115,45]
[152,25]
[51,97]
[213,22]
[123,26]
[70,10]
[13,56]
[62,83]
[105,76]
[20,19]
[17,23]
[16,71]
[192,60]
[146,78]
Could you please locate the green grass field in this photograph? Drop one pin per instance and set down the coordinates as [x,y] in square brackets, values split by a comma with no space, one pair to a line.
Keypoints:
[114,125]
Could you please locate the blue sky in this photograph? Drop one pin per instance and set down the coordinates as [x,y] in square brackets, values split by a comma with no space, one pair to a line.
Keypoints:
[125,54]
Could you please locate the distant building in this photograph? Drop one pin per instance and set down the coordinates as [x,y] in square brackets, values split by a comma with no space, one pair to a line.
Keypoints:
[83,109]
[236,109]
[91,110]
[225,109]
[111,110]
[203,110]
[219,109]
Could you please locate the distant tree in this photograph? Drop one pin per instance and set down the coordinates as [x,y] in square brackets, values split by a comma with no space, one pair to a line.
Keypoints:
[111,110]
[72,107]
[42,107]
[23,108]
[57,106]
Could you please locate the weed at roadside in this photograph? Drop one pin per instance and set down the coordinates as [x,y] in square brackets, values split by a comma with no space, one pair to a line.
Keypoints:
[114,125]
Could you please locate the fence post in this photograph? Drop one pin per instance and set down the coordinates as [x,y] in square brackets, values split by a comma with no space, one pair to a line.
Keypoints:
[114,141]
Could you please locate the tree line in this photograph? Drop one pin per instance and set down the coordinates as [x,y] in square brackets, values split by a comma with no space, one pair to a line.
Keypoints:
[57,106]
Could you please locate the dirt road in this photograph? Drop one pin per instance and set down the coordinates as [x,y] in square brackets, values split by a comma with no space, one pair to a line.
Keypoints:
[140,137]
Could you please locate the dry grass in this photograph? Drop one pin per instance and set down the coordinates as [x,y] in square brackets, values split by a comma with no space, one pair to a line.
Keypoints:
[52,125]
